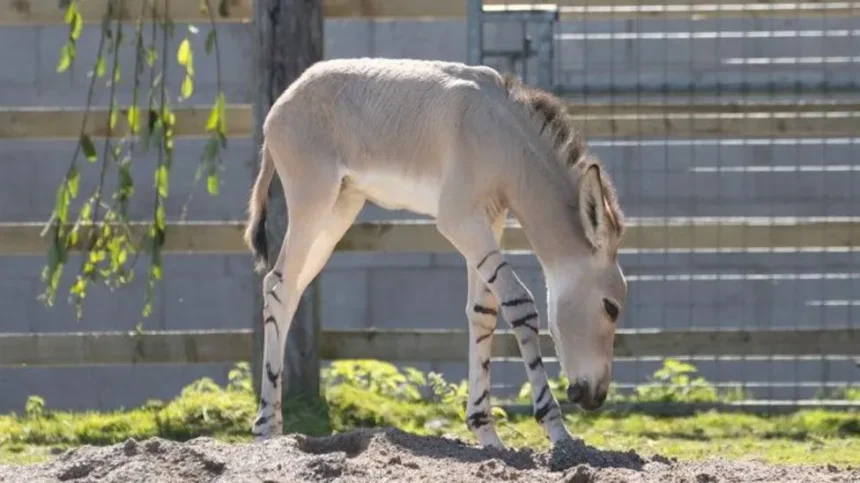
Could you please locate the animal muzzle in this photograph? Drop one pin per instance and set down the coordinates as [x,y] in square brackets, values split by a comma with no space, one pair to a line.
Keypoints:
[586,395]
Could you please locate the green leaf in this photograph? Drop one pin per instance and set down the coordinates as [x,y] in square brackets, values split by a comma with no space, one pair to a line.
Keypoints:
[183,55]
[161,181]
[222,107]
[134,119]
[126,183]
[210,41]
[66,56]
[187,87]
[112,118]
[61,205]
[160,219]
[97,256]
[77,25]
[169,117]
[218,115]
[80,287]
[71,12]
[156,272]
[116,74]
[212,183]
[73,181]
[88,148]
[86,212]
[214,117]
[151,56]
[100,66]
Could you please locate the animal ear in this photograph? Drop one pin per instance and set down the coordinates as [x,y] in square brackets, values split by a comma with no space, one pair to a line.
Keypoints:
[592,207]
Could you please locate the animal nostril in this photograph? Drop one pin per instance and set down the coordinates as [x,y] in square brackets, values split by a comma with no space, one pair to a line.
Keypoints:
[576,392]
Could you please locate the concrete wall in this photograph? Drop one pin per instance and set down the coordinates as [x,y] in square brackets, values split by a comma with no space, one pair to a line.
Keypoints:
[654,178]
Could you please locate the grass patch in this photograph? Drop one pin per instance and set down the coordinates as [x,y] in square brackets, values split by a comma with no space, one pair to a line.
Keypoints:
[373,393]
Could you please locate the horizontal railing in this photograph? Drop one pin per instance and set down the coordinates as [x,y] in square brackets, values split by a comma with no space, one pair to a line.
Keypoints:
[400,345]
[695,233]
[50,11]
[820,118]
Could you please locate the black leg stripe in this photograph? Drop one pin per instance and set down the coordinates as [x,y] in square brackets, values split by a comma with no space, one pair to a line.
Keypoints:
[484,310]
[496,273]
[263,403]
[483,396]
[542,411]
[523,321]
[483,337]
[278,274]
[486,257]
[537,361]
[477,420]
[274,295]
[519,301]
[542,394]
[271,320]
[261,420]
[273,377]
[486,365]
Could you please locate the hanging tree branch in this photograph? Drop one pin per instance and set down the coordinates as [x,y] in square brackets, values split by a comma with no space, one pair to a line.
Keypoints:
[101,228]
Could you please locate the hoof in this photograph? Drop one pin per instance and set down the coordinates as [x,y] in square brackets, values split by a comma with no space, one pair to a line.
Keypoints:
[559,434]
[262,432]
[497,444]
[488,438]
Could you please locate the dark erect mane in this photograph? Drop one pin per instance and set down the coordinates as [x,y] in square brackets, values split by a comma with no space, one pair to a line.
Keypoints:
[552,114]
[556,126]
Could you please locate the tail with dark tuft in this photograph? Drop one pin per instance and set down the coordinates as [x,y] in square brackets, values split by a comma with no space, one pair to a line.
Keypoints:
[259,244]
[255,229]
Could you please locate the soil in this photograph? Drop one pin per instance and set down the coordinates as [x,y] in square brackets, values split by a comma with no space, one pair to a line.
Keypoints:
[390,455]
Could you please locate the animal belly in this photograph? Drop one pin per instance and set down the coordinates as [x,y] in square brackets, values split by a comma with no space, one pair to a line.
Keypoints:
[399,192]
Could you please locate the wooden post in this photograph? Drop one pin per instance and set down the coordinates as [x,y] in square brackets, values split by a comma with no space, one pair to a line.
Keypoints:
[288,38]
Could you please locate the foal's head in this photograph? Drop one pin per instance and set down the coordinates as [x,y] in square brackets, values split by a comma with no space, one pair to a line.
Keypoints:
[587,293]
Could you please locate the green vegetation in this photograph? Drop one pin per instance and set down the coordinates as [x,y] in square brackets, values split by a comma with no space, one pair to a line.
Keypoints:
[676,381]
[374,393]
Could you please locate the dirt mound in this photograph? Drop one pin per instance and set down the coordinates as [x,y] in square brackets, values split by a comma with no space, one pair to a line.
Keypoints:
[390,455]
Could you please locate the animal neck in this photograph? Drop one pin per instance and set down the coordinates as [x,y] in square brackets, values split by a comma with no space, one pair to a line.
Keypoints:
[543,204]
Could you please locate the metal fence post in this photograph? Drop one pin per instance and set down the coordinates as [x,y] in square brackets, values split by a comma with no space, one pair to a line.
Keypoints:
[475,32]
[545,52]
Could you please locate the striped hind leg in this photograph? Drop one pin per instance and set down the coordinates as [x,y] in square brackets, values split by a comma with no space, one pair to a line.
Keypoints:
[482,310]
[313,232]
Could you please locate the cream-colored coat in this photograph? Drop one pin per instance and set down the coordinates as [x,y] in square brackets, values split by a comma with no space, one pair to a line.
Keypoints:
[466,146]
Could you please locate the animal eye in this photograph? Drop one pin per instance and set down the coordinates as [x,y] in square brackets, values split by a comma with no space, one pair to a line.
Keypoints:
[611,309]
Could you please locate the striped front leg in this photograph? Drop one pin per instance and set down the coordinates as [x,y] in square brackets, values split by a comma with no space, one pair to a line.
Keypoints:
[519,310]
[482,313]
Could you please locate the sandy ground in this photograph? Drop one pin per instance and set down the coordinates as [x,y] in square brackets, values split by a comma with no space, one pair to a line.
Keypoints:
[389,455]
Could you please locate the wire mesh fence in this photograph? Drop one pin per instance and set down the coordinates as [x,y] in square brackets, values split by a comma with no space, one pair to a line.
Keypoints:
[719,110]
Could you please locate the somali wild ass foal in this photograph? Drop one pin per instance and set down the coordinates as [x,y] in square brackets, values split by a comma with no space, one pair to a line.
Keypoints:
[463,145]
